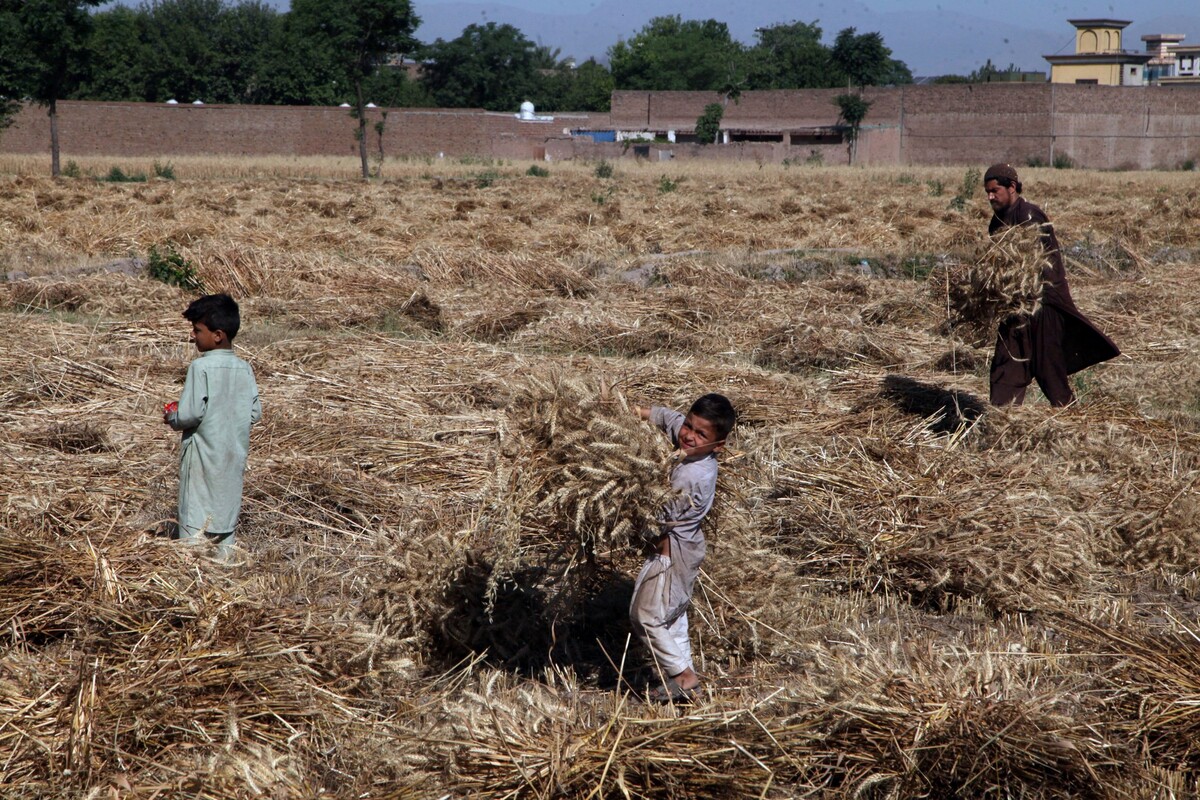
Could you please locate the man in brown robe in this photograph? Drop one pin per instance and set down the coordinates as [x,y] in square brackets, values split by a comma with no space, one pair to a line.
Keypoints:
[1058,340]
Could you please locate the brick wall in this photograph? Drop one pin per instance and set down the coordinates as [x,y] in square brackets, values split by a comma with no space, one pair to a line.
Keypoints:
[1095,126]
[151,129]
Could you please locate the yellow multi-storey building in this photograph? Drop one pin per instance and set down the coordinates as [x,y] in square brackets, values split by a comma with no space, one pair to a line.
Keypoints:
[1098,57]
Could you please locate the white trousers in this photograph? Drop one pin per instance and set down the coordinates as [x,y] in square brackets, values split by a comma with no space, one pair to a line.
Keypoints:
[656,617]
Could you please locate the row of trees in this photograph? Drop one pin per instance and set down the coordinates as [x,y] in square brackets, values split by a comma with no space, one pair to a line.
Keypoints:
[326,52]
[247,52]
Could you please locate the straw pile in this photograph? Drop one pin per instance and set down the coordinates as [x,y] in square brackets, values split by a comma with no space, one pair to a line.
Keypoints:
[907,593]
[581,476]
[1003,282]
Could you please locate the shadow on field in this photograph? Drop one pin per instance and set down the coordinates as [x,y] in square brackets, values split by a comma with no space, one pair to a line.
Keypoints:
[947,410]
[582,623]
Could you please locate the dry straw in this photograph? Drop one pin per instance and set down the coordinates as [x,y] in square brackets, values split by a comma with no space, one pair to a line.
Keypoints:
[907,593]
[1003,282]
[580,476]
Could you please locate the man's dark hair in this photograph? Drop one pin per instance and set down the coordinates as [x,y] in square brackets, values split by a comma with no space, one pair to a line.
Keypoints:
[717,409]
[217,312]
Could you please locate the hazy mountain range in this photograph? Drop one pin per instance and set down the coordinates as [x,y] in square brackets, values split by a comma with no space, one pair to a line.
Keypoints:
[930,39]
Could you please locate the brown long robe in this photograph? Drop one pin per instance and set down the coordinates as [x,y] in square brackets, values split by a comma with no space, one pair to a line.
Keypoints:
[1058,341]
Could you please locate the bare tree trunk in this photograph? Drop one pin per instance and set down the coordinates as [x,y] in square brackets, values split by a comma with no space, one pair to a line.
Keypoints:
[362,128]
[54,169]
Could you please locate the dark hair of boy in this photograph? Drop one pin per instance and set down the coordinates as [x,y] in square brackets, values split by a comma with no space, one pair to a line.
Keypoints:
[217,312]
[717,409]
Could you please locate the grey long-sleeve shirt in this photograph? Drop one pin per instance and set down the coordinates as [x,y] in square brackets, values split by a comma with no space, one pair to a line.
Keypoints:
[695,484]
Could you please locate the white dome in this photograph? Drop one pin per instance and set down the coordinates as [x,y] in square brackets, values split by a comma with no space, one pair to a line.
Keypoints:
[527,107]
[197,102]
[172,102]
[372,105]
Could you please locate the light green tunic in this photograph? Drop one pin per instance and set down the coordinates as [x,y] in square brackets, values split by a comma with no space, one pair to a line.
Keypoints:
[217,408]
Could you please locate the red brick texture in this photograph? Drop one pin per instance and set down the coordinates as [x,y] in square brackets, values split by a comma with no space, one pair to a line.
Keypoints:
[1095,126]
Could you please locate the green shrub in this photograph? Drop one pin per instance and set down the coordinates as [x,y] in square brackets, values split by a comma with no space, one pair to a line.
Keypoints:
[538,172]
[1035,161]
[118,175]
[172,268]
[71,170]
[815,158]
[486,178]
[936,188]
[604,169]
[1063,161]
[966,190]
[165,171]
[665,185]
[1189,165]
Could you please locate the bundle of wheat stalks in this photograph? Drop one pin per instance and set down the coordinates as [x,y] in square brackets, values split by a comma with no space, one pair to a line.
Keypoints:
[581,474]
[1005,279]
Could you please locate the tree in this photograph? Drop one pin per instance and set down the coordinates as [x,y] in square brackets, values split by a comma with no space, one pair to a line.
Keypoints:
[863,59]
[708,125]
[852,110]
[489,66]
[43,54]
[670,54]
[789,57]
[116,56]
[587,87]
[357,36]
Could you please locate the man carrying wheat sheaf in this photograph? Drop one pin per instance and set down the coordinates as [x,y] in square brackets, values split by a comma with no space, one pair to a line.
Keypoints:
[1057,340]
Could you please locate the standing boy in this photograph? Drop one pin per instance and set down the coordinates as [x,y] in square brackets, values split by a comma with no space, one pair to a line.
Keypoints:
[663,590]
[218,405]
[1059,340]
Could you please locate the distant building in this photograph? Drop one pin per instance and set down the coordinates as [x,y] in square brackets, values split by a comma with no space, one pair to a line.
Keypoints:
[1098,57]
[1172,61]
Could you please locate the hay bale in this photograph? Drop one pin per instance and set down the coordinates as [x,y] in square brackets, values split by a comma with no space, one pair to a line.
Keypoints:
[1005,281]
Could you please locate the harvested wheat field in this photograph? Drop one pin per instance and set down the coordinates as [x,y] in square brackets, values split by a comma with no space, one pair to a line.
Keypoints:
[908,593]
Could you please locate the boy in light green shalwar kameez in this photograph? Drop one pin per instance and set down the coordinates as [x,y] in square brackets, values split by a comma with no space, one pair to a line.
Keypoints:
[218,405]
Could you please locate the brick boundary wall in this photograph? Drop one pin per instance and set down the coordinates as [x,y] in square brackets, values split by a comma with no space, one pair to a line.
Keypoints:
[1094,126]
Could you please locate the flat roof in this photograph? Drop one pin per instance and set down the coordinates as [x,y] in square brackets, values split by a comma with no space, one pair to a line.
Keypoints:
[1099,23]
[1123,57]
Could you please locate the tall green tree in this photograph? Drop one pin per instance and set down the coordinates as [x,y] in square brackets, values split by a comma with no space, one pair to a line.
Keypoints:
[862,58]
[852,110]
[206,50]
[357,36]
[488,66]
[789,56]
[586,87]
[42,54]
[670,53]
[708,124]
[117,56]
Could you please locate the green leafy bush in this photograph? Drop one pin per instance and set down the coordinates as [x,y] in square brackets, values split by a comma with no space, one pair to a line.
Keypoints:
[1063,161]
[71,170]
[604,169]
[172,268]
[118,175]
[665,184]
[486,178]
[966,190]
[537,172]
[165,171]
